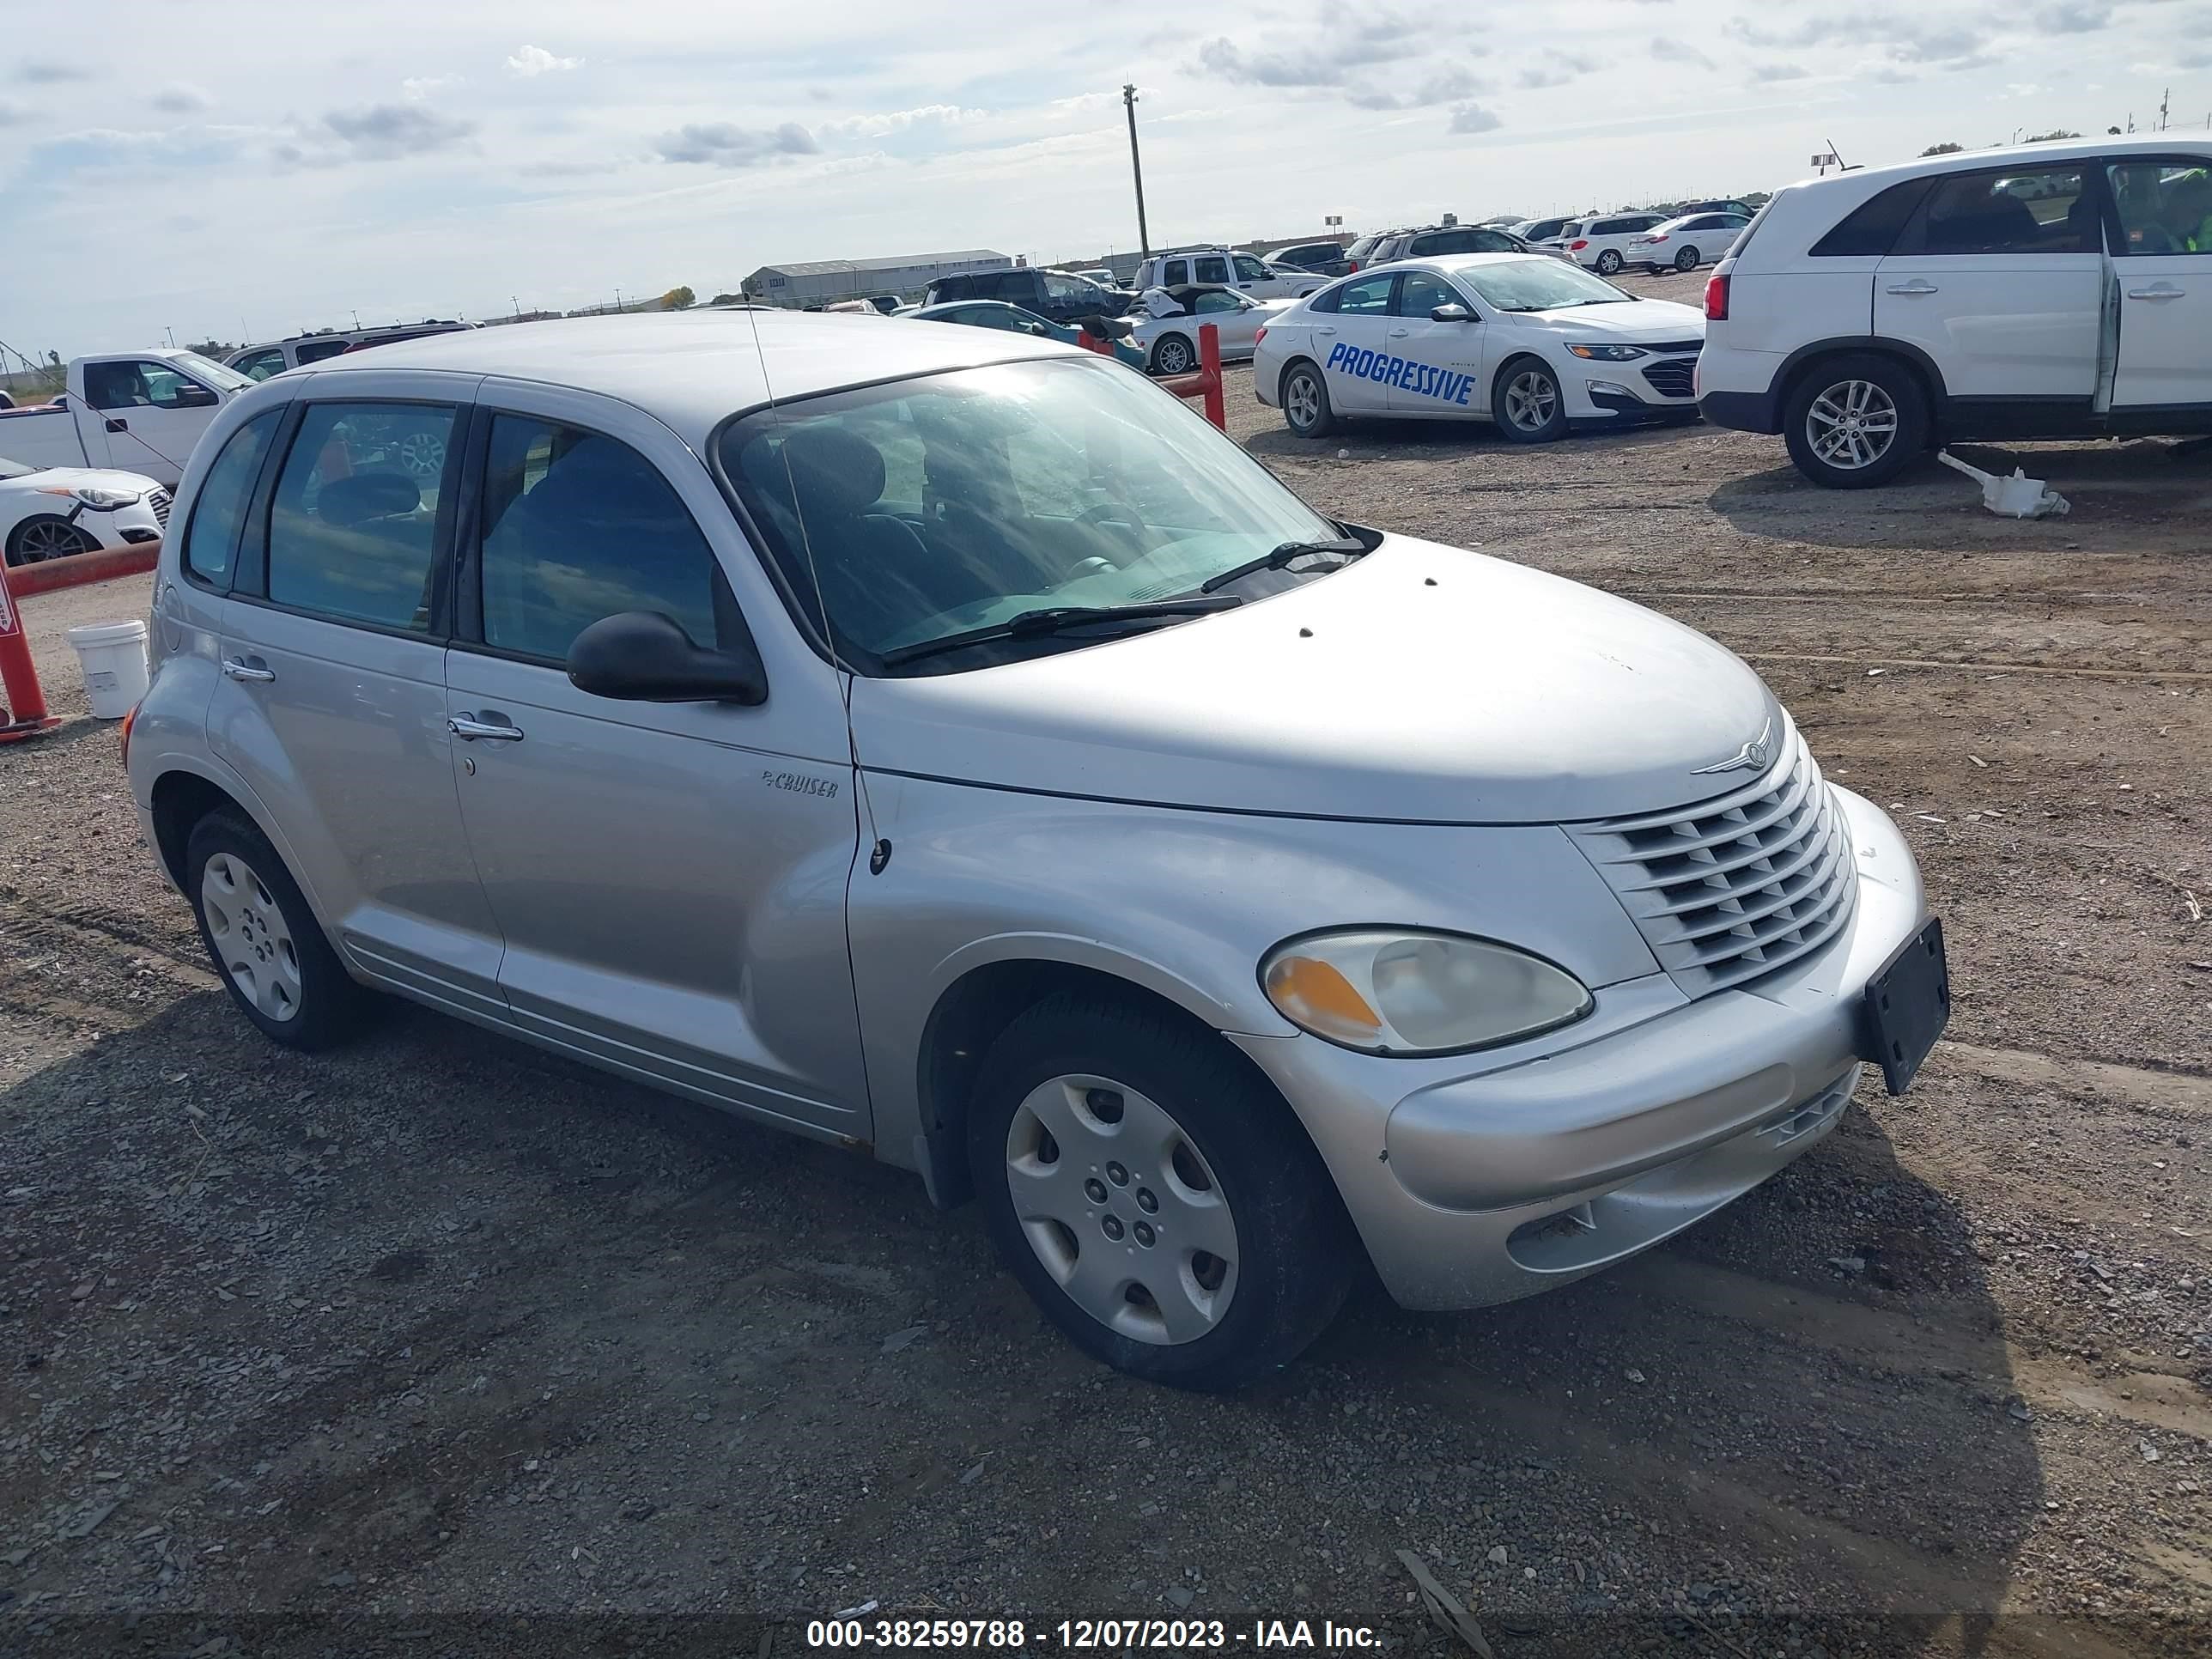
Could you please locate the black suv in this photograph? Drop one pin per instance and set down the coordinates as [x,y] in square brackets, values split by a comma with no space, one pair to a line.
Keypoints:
[1053,294]
[1435,239]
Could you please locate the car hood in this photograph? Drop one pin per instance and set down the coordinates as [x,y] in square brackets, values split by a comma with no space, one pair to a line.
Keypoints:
[1624,319]
[1423,683]
[70,477]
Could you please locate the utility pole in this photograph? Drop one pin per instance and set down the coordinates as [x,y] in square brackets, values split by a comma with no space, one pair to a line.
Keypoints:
[2165,98]
[357,317]
[172,333]
[1137,172]
[518,306]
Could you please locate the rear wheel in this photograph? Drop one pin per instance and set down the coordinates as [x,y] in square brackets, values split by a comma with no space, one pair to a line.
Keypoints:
[1154,1196]
[1173,355]
[1686,260]
[1855,420]
[263,938]
[1607,263]
[1306,407]
[36,540]
[1526,403]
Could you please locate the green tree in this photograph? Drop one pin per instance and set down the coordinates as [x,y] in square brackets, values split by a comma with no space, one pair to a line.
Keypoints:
[2051,136]
[1942,149]
[678,299]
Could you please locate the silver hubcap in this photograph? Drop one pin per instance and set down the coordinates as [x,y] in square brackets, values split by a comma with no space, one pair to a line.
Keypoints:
[1687,260]
[422,453]
[1302,400]
[1175,357]
[252,940]
[1851,425]
[1531,400]
[1609,262]
[49,541]
[1121,1209]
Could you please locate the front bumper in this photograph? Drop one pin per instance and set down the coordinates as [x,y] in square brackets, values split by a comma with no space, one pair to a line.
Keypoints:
[1482,1187]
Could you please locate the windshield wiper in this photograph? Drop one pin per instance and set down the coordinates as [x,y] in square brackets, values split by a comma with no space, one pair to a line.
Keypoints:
[1281,557]
[1031,624]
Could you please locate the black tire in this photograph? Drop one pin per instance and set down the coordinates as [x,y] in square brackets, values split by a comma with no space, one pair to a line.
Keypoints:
[1686,260]
[329,1005]
[46,535]
[1831,385]
[1298,1252]
[1174,354]
[1609,262]
[1323,420]
[1515,371]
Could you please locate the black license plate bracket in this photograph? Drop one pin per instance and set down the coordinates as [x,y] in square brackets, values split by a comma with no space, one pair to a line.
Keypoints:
[1908,1002]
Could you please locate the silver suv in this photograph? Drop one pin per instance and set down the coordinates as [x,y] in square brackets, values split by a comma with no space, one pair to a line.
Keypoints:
[969,757]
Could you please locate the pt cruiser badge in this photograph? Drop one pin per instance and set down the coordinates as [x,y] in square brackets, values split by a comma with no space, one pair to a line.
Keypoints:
[1752,757]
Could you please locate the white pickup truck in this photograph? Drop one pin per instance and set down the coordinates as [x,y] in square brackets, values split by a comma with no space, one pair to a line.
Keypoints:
[141,411]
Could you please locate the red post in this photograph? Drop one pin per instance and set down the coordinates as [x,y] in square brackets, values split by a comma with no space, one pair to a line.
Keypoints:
[1209,363]
[75,569]
[1091,342]
[26,715]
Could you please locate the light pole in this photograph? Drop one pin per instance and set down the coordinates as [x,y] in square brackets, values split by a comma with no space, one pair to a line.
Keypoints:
[1137,172]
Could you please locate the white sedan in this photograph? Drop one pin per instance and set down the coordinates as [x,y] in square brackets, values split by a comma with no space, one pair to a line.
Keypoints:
[1533,345]
[1167,320]
[1684,243]
[48,512]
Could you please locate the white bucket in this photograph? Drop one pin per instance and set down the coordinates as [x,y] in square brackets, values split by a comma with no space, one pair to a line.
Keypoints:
[113,657]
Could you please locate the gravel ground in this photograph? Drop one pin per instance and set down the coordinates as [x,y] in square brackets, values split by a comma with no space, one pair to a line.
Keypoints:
[437,1346]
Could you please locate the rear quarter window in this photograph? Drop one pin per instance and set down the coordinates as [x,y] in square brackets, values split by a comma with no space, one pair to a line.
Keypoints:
[1871,229]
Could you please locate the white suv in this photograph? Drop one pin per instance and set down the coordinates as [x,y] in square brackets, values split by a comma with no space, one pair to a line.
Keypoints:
[2059,290]
[1603,244]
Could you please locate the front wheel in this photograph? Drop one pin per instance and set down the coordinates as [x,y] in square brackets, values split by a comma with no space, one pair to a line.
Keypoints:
[263,938]
[1306,407]
[1174,355]
[1608,263]
[1154,1195]
[36,540]
[1855,420]
[1526,403]
[1686,260]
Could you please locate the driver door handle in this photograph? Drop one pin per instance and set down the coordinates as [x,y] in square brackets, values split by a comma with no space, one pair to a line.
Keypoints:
[247,668]
[1400,333]
[1917,285]
[2157,291]
[467,727]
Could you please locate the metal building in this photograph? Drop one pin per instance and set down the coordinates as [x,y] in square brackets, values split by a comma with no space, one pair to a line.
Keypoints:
[819,282]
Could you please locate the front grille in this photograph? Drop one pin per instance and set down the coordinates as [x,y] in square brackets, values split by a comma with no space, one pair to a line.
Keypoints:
[1671,377]
[1739,886]
[1668,346]
[159,501]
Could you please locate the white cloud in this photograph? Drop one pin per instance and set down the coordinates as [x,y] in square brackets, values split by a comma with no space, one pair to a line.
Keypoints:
[899,120]
[527,61]
[419,86]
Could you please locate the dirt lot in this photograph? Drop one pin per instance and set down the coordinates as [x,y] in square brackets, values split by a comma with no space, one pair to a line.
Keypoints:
[437,1346]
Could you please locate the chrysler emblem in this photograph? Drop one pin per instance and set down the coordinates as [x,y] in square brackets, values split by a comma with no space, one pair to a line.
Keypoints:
[1752,757]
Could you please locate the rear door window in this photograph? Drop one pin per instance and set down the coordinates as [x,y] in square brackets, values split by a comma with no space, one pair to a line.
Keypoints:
[2033,211]
[1212,268]
[351,528]
[1174,274]
[315,350]
[262,364]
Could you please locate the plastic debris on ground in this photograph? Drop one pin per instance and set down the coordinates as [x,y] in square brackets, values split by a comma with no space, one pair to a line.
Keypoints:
[2017,497]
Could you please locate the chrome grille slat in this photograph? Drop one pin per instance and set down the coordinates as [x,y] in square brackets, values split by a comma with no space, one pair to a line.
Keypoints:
[159,501]
[1726,889]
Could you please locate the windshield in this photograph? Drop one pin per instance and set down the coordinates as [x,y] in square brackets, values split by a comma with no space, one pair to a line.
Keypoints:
[210,372]
[952,502]
[1537,284]
[15,469]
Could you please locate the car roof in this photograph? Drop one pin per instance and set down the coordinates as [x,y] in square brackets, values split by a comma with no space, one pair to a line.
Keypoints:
[693,370]
[2015,155]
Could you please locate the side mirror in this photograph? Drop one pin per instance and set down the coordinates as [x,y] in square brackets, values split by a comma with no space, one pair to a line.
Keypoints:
[1451,315]
[641,656]
[192,395]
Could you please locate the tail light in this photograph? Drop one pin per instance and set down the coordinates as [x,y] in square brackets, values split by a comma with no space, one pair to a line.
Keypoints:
[1259,335]
[1656,236]
[122,732]
[1350,266]
[1716,298]
[1578,244]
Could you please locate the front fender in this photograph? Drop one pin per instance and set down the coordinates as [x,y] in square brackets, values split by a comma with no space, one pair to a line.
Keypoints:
[1178,902]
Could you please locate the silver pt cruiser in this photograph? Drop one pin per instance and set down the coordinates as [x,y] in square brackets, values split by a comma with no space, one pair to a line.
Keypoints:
[945,744]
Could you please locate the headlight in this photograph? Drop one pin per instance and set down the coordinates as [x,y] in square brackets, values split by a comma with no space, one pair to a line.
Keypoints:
[1606,354]
[95,495]
[1390,992]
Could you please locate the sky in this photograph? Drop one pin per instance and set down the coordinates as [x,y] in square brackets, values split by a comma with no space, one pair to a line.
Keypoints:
[242,170]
